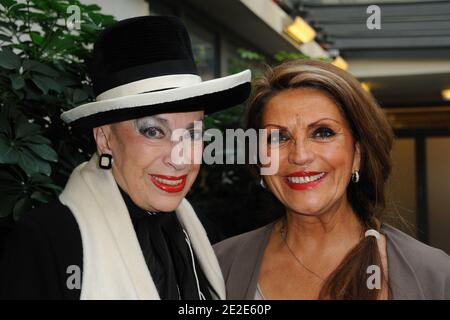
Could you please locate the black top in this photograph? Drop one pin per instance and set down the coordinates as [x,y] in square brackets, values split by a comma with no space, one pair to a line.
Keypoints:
[38,252]
[168,254]
[43,255]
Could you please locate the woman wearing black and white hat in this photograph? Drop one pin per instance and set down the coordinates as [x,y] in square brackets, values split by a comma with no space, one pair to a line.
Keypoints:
[121,229]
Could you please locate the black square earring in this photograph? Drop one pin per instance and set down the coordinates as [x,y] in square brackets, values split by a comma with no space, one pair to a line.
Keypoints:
[105,161]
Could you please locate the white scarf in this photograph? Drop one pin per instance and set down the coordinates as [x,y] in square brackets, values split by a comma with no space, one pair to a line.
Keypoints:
[113,264]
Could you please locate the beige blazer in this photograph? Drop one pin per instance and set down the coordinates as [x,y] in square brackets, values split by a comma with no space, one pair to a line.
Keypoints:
[416,271]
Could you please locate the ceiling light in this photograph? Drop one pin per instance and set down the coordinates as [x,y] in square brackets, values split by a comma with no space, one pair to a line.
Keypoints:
[340,62]
[365,86]
[446,94]
[300,31]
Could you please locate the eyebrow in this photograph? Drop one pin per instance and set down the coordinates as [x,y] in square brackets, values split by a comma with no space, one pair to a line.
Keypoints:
[166,122]
[159,119]
[191,125]
[322,119]
[312,124]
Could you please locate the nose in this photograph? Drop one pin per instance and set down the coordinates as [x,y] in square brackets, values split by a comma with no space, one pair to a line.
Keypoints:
[301,153]
[176,157]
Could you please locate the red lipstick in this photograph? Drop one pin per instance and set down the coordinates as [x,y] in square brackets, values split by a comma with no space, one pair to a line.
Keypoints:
[303,180]
[170,184]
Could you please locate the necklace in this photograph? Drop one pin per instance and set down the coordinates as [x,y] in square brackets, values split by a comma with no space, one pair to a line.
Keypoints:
[283,238]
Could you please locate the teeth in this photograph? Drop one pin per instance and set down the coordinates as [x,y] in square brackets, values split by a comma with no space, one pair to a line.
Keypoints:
[302,180]
[168,182]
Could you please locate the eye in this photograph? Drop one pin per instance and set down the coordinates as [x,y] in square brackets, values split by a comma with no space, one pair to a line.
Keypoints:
[196,134]
[323,133]
[153,132]
[277,137]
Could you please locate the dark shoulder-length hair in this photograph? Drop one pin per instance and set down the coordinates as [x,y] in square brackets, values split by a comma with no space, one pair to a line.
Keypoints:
[370,129]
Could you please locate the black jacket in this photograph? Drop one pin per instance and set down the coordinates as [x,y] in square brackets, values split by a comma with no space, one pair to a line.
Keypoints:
[38,254]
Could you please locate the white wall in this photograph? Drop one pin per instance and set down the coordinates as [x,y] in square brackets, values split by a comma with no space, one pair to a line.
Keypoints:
[395,67]
[122,9]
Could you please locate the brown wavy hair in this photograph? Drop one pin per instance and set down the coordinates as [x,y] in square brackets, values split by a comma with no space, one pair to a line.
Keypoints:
[371,130]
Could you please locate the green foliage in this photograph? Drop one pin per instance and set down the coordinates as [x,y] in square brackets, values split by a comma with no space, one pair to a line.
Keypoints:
[22,143]
[247,59]
[42,73]
[284,56]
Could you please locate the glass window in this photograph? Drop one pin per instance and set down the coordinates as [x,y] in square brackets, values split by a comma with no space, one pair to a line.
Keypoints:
[158,8]
[203,49]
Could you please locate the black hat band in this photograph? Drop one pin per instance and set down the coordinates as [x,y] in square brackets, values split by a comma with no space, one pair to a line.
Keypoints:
[150,70]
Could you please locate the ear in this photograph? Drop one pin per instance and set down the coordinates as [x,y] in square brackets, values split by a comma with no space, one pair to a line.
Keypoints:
[357,158]
[102,137]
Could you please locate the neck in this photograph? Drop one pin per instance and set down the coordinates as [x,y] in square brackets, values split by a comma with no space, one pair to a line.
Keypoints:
[339,227]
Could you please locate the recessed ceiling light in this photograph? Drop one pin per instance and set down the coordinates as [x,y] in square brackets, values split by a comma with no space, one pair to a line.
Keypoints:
[446,94]
[300,31]
[340,62]
[366,86]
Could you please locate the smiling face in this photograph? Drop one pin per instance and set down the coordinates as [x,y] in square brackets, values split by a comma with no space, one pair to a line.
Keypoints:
[317,153]
[143,162]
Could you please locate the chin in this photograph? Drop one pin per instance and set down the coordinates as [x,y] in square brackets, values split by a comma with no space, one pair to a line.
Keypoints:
[167,205]
[308,208]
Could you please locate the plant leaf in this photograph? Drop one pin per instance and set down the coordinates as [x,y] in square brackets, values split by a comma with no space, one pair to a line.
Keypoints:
[12,185]
[43,167]
[8,203]
[36,38]
[41,85]
[9,60]
[17,187]
[5,126]
[28,163]
[5,38]
[45,83]
[22,206]
[79,96]
[6,177]
[41,196]
[36,139]
[17,81]
[25,128]
[33,65]
[44,183]
[8,154]
[44,151]
[7,3]
[31,164]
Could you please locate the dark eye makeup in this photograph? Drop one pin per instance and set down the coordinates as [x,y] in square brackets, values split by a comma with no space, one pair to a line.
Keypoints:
[277,137]
[323,133]
[153,132]
[149,128]
[196,134]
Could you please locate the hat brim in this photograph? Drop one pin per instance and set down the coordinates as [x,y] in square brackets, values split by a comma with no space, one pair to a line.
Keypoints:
[210,96]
